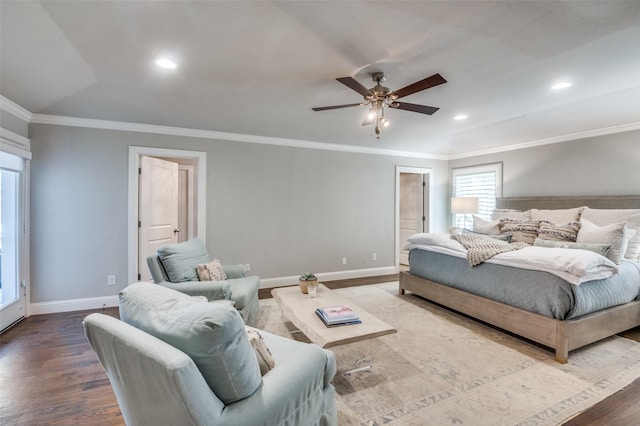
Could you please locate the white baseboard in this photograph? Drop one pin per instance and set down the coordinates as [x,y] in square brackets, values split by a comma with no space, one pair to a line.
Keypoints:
[112,301]
[73,305]
[329,276]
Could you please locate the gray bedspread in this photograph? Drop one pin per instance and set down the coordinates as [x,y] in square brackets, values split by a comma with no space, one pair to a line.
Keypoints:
[534,291]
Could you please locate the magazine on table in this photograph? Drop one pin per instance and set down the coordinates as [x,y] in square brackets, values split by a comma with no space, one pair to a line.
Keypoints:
[337,315]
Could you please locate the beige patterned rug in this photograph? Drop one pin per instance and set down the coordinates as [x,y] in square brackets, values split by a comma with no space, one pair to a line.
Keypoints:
[442,368]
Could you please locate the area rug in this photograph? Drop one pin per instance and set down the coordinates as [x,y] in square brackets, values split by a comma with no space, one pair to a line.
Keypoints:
[442,368]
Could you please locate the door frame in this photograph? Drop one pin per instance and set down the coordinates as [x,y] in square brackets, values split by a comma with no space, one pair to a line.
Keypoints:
[414,170]
[19,146]
[135,152]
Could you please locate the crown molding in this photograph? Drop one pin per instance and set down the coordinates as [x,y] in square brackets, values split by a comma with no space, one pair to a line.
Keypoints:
[13,108]
[14,138]
[212,134]
[620,128]
[266,140]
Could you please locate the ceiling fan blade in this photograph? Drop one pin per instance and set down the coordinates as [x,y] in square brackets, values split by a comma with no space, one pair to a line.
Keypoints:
[336,107]
[422,109]
[353,84]
[427,83]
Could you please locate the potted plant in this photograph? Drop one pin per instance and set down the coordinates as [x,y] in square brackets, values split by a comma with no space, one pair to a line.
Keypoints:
[307,279]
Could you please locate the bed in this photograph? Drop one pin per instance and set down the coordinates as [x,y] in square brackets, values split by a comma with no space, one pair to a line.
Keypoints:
[564,327]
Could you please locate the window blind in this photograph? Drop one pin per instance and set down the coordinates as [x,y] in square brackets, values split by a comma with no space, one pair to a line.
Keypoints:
[481,185]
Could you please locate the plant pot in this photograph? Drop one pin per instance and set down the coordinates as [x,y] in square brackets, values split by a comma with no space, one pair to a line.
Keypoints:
[304,285]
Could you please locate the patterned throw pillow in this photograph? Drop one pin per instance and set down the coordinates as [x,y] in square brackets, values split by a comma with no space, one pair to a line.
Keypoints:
[523,231]
[555,232]
[211,271]
[263,354]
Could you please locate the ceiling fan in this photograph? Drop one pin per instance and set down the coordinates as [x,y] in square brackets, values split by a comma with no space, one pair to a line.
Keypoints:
[380,97]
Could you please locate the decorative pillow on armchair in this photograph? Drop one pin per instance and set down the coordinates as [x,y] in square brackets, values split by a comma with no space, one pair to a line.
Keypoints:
[263,354]
[180,260]
[211,271]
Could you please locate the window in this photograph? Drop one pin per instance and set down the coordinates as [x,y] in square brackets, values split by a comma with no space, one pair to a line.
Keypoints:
[484,182]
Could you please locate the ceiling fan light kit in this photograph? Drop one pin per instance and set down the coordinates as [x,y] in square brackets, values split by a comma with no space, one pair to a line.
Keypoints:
[380,97]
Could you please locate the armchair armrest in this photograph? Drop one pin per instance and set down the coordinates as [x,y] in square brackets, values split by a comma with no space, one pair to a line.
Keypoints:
[293,392]
[234,271]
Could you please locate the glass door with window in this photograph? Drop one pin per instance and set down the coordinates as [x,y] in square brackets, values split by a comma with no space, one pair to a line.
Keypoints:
[12,236]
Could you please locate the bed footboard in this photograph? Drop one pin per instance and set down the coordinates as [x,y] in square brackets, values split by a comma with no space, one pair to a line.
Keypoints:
[563,336]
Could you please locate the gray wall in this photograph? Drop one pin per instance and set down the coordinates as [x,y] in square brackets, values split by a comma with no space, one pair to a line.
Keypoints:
[284,210]
[602,165]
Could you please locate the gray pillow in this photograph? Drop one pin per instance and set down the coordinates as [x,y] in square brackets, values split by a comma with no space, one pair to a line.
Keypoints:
[501,237]
[212,334]
[181,260]
[601,249]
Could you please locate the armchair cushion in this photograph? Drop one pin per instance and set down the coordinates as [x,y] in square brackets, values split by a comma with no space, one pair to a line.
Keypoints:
[212,334]
[180,260]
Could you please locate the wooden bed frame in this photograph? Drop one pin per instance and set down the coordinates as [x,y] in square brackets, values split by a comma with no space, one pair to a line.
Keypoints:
[561,335]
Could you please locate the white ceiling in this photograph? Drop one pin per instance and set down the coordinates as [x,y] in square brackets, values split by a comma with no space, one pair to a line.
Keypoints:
[257,68]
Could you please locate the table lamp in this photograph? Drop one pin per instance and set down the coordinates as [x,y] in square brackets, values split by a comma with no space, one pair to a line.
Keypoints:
[464,206]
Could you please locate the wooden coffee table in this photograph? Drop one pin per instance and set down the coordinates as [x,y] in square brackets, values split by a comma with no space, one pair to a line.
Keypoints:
[300,309]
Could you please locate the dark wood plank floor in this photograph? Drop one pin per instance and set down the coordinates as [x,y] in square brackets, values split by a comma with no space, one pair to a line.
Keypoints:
[50,376]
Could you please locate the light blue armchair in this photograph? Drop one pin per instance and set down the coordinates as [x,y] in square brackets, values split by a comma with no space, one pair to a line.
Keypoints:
[174,267]
[174,360]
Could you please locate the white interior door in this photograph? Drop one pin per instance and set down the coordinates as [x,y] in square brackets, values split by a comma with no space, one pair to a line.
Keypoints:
[157,209]
[412,215]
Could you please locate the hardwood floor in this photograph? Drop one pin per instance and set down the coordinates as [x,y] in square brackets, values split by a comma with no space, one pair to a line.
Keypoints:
[49,375]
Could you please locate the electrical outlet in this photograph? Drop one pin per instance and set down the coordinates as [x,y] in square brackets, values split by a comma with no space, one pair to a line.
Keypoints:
[111,280]
[344,260]
[247,267]
[374,256]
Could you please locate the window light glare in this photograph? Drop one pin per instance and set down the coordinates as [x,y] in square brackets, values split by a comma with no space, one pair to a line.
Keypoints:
[561,85]
[166,63]
[460,117]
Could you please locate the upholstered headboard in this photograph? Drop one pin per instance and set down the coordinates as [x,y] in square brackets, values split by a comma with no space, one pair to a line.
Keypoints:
[552,203]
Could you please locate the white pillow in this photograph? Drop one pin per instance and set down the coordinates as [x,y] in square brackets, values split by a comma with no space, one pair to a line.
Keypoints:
[484,226]
[609,216]
[512,214]
[615,234]
[557,215]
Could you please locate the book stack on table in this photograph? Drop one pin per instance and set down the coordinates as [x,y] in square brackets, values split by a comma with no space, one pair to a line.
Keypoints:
[337,315]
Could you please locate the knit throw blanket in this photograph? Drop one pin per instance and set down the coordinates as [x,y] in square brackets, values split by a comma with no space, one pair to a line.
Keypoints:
[482,247]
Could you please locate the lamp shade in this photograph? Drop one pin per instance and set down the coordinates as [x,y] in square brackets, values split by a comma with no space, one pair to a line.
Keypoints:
[464,205]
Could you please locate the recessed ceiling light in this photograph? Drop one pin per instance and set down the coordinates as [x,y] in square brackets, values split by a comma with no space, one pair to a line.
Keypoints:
[166,63]
[561,85]
[460,117]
